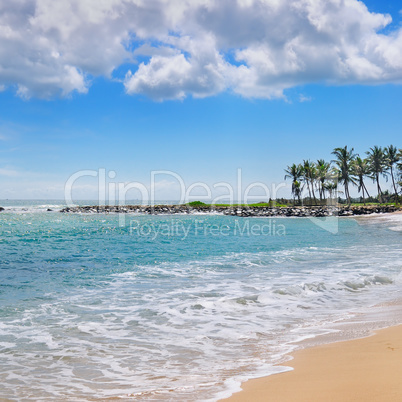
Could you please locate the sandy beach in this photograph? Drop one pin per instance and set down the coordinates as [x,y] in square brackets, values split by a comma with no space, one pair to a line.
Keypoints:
[367,369]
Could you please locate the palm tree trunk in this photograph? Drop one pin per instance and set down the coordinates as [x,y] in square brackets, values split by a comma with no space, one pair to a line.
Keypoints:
[323,191]
[347,193]
[312,187]
[364,200]
[379,188]
[308,188]
[320,191]
[393,182]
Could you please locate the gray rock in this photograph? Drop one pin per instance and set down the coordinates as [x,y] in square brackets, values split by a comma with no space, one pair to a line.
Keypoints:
[234,211]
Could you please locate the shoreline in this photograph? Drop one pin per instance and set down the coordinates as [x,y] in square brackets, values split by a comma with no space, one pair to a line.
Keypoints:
[363,369]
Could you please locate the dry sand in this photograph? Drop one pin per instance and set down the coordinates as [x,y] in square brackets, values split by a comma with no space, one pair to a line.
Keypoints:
[368,369]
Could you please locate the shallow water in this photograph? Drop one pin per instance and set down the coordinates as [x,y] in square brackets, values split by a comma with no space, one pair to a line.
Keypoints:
[90,309]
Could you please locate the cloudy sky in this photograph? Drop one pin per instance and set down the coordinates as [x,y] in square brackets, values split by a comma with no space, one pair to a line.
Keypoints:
[197,87]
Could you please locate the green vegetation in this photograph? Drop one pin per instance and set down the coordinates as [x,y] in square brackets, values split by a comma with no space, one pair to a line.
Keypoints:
[348,169]
[197,204]
[271,204]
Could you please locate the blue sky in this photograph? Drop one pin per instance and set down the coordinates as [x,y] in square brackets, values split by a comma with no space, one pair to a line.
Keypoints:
[50,129]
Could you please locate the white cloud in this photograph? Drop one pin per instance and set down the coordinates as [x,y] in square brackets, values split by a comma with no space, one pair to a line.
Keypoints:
[173,76]
[255,48]
[303,98]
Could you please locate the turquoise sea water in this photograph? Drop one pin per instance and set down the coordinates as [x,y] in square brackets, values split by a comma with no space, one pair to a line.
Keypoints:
[90,309]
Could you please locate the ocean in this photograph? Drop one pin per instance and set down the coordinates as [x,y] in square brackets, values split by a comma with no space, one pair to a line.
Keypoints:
[178,307]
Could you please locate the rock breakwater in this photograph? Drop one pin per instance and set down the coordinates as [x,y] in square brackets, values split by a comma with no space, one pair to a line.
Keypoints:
[243,211]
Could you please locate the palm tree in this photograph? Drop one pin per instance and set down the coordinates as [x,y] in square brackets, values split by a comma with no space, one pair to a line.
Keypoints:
[331,186]
[360,169]
[400,159]
[399,166]
[314,180]
[377,166]
[309,175]
[391,159]
[295,172]
[322,175]
[297,191]
[305,176]
[344,161]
